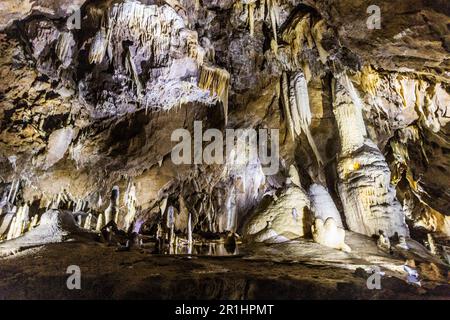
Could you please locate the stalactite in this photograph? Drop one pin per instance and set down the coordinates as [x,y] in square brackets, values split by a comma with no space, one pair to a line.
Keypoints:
[300,109]
[98,47]
[131,70]
[273,9]
[150,27]
[64,48]
[217,81]
[348,113]
[251,18]
[317,32]
[294,109]
[369,80]
[286,106]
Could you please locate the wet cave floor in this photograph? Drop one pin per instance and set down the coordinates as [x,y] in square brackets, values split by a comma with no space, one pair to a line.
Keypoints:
[297,270]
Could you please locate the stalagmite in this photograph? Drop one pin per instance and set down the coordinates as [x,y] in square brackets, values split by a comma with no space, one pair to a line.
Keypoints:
[34,222]
[217,81]
[13,191]
[432,244]
[170,225]
[112,212]
[250,8]
[12,227]
[294,177]
[130,203]
[88,221]
[276,223]
[131,70]
[383,242]
[322,205]
[20,223]
[272,7]
[231,210]
[329,234]
[100,223]
[189,229]
[367,195]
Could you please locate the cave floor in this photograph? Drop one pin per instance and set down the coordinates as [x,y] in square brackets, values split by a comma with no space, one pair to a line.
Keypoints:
[296,270]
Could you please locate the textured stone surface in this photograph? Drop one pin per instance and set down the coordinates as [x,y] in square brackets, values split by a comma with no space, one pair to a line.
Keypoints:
[285,219]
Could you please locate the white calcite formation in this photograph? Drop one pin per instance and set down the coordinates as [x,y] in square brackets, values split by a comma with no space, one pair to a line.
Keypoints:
[322,205]
[162,58]
[286,218]
[65,48]
[152,27]
[295,100]
[58,144]
[19,223]
[329,234]
[112,212]
[365,189]
[55,226]
[130,204]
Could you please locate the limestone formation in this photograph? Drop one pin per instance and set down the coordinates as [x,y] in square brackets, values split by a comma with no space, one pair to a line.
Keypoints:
[365,189]
[329,234]
[55,226]
[284,219]
[322,205]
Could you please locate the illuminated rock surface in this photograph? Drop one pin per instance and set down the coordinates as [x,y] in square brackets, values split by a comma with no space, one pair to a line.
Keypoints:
[90,99]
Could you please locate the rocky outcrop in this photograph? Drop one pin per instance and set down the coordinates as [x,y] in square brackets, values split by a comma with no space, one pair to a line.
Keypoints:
[54,226]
